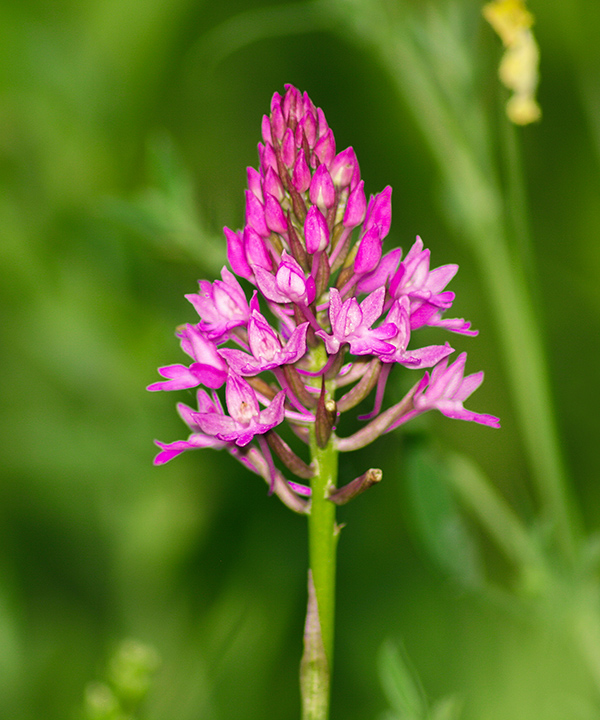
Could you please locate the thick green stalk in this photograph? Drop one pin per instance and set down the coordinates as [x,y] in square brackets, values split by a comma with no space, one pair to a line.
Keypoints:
[317,662]
[322,538]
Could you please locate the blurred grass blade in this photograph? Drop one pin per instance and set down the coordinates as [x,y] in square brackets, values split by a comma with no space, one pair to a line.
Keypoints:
[401,684]
[437,519]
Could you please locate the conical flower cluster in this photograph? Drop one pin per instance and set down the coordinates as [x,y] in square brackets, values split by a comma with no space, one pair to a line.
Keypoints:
[328,310]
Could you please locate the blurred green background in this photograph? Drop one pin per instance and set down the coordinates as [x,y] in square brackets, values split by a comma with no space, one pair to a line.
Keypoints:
[125,130]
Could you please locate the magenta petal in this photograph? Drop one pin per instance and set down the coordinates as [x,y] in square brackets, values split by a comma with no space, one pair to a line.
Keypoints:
[240,362]
[372,306]
[180,378]
[268,286]
[369,251]
[273,414]
[296,345]
[241,399]
[219,426]
[212,377]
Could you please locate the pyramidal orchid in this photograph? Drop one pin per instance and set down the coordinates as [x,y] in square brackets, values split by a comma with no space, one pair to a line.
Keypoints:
[328,311]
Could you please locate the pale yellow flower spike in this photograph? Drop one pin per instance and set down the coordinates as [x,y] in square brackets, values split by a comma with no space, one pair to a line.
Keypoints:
[519,67]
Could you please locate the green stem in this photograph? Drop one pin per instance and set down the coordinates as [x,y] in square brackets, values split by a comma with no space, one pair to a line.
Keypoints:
[322,538]
[317,662]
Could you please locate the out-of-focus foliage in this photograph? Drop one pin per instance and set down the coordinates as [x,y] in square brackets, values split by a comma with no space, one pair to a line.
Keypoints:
[125,130]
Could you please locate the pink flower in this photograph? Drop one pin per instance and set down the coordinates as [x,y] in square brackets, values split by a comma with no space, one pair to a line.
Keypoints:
[245,419]
[351,323]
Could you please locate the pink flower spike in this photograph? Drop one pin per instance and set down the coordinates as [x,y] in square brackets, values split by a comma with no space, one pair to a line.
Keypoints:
[236,253]
[301,176]
[274,216]
[316,232]
[343,167]
[448,389]
[356,207]
[369,251]
[379,212]
[322,191]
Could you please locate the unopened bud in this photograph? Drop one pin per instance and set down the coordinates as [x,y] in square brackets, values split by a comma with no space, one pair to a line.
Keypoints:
[316,232]
[288,148]
[322,191]
[356,487]
[325,148]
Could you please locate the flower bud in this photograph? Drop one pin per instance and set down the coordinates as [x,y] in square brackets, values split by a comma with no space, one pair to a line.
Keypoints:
[274,216]
[369,251]
[291,103]
[236,253]
[255,214]
[288,148]
[254,182]
[256,249]
[356,487]
[307,127]
[316,232]
[356,206]
[301,174]
[277,121]
[268,159]
[342,167]
[322,123]
[266,130]
[272,185]
[322,191]
[379,212]
[325,148]
[292,283]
